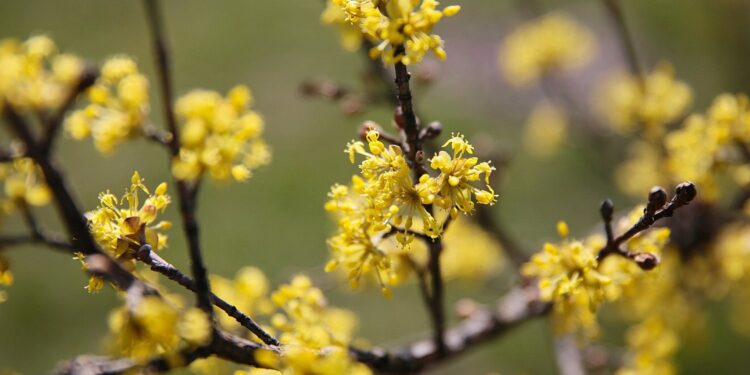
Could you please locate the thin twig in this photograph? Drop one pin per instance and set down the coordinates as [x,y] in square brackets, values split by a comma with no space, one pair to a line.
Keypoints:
[628,47]
[186,197]
[684,193]
[223,345]
[158,264]
[518,306]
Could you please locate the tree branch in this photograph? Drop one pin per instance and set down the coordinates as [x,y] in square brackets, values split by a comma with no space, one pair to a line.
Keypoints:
[186,198]
[158,264]
[518,306]
[628,47]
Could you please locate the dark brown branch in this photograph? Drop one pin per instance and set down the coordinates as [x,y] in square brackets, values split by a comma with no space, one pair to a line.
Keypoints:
[223,345]
[163,267]
[615,12]
[654,211]
[518,306]
[437,296]
[54,122]
[412,144]
[67,207]
[186,197]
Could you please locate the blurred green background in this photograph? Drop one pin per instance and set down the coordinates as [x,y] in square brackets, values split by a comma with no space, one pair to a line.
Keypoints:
[276,221]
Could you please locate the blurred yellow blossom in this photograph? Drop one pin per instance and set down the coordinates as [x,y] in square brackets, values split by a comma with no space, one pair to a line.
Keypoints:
[308,326]
[395,23]
[117,109]
[34,76]
[552,42]
[351,35]
[546,129]
[630,104]
[121,231]
[156,326]
[24,184]
[220,135]
[248,291]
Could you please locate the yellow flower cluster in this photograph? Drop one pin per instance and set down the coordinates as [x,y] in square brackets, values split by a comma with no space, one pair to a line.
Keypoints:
[34,76]
[248,291]
[545,130]
[647,105]
[221,136]
[6,277]
[315,336]
[569,275]
[157,326]
[351,36]
[122,226]
[707,143]
[399,23]
[642,169]
[118,106]
[23,184]
[553,42]
[661,312]
[386,196]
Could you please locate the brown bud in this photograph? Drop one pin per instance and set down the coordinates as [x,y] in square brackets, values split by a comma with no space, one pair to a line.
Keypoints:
[351,105]
[398,118]
[606,209]
[657,198]
[686,191]
[419,156]
[432,131]
[366,127]
[646,261]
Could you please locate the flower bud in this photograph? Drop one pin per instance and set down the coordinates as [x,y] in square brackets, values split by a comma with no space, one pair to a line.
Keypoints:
[657,198]
[432,131]
[646,261]
[686,191]
[606,209]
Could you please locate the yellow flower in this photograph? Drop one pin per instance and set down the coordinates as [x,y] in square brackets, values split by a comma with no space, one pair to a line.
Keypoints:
[396,23]
[554,41]
[118,106]
[648,106]
[195,327]
[315,336]
[221,136]
[351,35]
[23,184]
[569,275]
[452,189]
[149,329]
[121,231]
[34,76]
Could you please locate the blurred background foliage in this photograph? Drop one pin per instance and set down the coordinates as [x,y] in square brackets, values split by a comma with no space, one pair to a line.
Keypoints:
[276,221]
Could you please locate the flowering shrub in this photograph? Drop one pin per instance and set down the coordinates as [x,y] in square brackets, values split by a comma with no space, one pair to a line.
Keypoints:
[417,211]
